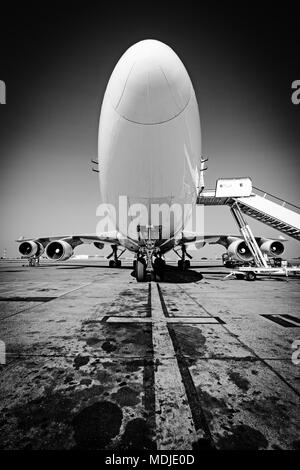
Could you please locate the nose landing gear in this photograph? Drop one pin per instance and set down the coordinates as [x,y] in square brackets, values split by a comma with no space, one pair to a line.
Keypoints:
[159,265]
[140,269]
[149,265]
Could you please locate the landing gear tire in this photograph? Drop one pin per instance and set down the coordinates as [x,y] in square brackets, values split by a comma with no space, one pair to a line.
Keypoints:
[250,276]
[239,276]
[159,269]
[115,264]
[140,270]
[183,265]
[229,265]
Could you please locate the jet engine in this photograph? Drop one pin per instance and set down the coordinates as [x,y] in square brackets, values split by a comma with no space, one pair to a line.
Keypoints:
[239,250]
[59,250]
[30,249]
[271,248]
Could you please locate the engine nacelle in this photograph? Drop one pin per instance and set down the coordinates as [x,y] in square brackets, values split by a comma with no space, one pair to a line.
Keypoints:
[59,250]
[272,248]
[239,250]
[30,249]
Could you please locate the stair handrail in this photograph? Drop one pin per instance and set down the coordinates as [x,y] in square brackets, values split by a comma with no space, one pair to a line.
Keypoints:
[284,203]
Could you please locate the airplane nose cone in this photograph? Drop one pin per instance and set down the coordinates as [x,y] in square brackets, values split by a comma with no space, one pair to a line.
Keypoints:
[149,84]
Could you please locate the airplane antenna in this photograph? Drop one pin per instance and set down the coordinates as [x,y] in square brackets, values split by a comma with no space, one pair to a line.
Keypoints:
[95,162]
[203,168]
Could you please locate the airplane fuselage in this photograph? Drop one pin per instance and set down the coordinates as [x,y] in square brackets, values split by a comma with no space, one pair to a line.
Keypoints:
[149,139]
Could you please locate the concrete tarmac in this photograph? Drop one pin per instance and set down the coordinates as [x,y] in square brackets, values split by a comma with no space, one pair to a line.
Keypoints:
[91,359]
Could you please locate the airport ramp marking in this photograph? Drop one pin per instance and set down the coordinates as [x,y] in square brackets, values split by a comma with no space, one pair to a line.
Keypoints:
[180,422]
[204,437]
[292,318]
[175,428]
[169,320]
[27,299]
[42,302]
[287,321]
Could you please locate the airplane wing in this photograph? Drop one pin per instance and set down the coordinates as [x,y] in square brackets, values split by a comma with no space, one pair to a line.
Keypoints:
[80,238]
[218,239]
[234,244]
[61,247]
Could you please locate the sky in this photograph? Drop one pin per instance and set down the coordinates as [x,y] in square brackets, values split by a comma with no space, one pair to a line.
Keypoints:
[56,64]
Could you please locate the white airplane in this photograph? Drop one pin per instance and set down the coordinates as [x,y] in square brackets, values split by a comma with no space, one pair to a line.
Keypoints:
[149,152]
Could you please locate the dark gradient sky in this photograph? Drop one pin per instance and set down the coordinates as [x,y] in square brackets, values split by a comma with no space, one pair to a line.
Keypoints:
[56,64]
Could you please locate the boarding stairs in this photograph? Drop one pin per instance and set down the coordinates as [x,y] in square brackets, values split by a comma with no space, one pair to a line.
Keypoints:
[262,206]
[243,198]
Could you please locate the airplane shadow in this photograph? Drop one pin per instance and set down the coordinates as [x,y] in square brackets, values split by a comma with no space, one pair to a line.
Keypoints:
[92,266]
[174,275]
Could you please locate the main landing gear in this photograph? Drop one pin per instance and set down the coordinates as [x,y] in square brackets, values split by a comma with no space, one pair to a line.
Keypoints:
[34,261]
[116,262]
[183,263]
